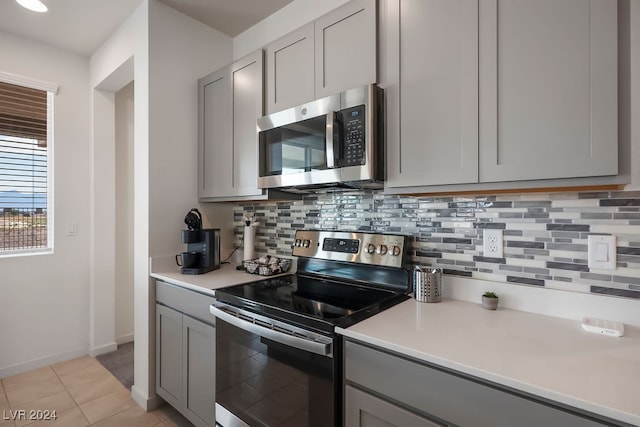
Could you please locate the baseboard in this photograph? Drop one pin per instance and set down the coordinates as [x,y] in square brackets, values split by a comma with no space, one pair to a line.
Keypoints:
[148,404]
[124,339]
[41,362]
[107,348]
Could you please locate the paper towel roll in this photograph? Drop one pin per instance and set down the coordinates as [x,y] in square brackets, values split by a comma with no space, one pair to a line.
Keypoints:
[249,242]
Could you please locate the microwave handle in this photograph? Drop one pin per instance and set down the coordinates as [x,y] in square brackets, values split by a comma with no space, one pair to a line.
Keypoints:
[331,122]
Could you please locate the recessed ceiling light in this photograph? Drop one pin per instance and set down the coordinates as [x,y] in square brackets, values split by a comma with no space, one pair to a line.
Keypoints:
[35,5]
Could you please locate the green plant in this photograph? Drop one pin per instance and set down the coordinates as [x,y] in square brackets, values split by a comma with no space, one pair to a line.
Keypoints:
[490,295]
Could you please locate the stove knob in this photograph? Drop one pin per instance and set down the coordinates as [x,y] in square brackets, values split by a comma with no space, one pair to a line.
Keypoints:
[395,251]
[298,243]
[371,248]
[306,243]
[382,249]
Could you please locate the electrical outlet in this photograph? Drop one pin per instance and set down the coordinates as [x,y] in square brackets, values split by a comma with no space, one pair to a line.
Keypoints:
[492,243]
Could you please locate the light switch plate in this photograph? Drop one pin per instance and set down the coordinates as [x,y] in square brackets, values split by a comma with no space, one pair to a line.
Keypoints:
[72,228]
[602,252]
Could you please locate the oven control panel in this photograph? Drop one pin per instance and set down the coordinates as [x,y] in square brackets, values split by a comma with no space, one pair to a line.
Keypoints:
[365,248]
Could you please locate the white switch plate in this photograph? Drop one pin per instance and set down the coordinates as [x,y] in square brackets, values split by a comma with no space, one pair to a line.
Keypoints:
[72,228]
[602,252]
[492,243]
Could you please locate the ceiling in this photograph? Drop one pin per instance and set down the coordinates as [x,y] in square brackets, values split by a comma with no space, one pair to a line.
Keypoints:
[81,26]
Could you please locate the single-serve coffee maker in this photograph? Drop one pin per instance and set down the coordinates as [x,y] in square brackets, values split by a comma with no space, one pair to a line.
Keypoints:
[203,246]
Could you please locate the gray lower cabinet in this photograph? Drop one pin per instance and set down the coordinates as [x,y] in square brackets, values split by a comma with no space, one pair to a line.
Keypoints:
[364,409]
[385,389]
[185,353]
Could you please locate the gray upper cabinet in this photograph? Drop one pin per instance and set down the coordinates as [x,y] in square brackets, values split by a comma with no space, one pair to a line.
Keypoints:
[337,51]
[247,88]
[346,47]
[432,134]
[230,101]
[290,70]
[548,84]
[493,93]
[214,135]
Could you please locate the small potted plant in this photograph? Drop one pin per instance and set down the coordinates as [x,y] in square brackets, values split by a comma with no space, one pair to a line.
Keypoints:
[490,300]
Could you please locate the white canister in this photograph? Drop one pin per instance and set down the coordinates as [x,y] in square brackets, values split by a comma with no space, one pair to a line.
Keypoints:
[249,242]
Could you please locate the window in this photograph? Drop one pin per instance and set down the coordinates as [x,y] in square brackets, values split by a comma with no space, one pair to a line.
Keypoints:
[26,137]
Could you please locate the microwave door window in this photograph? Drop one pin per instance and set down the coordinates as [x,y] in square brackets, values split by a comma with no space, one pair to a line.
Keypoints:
[295,148]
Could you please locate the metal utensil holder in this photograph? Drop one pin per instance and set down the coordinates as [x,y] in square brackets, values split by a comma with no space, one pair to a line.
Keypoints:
[427,284]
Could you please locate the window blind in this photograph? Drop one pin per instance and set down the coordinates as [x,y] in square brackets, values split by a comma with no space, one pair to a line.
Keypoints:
[24,155]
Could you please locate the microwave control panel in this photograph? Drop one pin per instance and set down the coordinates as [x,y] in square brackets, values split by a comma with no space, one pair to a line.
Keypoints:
[353,124]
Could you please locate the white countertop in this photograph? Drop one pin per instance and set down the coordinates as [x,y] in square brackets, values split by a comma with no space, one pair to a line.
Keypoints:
[226,275]
[546,356]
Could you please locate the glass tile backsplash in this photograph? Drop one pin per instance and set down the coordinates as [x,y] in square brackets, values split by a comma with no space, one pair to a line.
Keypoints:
[545,235]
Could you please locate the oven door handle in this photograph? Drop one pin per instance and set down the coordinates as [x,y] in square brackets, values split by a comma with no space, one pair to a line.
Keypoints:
[313,346]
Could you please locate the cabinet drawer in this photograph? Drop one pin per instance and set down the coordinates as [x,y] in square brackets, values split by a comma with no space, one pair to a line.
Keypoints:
[186,301]
[448,396]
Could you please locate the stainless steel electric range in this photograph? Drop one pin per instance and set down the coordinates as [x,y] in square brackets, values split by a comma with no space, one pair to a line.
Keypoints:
[278,358]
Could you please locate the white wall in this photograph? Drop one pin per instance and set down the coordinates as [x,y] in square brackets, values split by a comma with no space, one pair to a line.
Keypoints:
[124,120]
[169,52]
[44,299]
[292,16]
[181,50]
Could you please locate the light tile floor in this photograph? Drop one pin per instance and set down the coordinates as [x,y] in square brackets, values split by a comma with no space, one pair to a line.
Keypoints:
[82,393]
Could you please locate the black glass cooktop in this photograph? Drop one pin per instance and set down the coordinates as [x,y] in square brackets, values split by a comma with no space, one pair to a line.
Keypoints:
[311,302]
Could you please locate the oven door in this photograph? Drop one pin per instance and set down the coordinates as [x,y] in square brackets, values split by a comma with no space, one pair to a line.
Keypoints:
[272,373]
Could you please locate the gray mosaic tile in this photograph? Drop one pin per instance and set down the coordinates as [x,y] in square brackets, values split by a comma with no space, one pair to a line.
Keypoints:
[594,276]
[628,250]
[627,280]
[524,244]
[620,202]
[616,292]
[525,281]
[505,267]
[567,266]
[567,247]
[594,215]
[557,221]
[568,227]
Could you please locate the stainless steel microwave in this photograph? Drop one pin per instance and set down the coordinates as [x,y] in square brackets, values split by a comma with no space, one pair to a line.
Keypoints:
[335,142]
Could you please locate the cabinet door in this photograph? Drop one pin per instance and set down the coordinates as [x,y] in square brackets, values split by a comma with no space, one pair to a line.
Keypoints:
[365,410]
[247,100]
[346,48]
[214,135]
[198,371]
[548,89]
[432,92]
[290,70]
[169,355]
